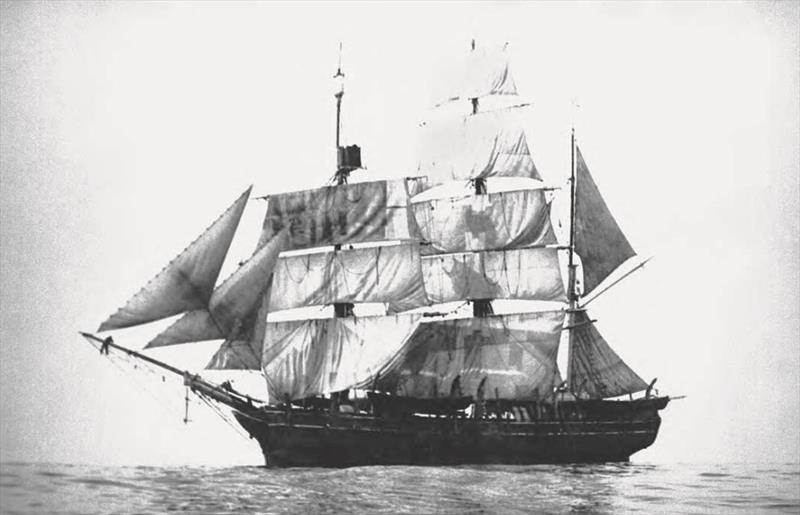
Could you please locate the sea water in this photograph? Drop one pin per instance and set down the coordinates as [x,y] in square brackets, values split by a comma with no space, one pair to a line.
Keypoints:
[604,488]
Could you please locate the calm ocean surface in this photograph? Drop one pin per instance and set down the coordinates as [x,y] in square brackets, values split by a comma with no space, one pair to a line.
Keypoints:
[616,488]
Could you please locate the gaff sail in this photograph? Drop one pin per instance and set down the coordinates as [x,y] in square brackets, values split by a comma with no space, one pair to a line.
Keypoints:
[525,274]
[231,302]
[314,357]
[187,282]
[387,274]
[347,213]
[488,144]
[486,222]
[595,371]
[598,239]
[516,354]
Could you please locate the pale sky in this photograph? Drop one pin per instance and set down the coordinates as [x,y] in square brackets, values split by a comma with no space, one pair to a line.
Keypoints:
[126,128]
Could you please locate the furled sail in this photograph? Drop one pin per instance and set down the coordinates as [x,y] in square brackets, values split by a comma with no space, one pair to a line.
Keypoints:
[598,239]
[231,302]
[348,213]
[515,353]
[188,280]
[486,222]
[312,357]
[531,274]
[595,371]
[388,274]
[488,144]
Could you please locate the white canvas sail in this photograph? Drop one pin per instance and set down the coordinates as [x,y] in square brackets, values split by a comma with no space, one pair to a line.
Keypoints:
[187,282]
[230,303]
[484,72]
[598,239]
[388,274]
[516,354]
[243,348]
[488,144]
[313,357]
[595,371]
[528,274]
[486,222]
[348,213]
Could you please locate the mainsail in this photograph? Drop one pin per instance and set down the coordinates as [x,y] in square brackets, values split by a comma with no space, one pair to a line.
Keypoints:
[598,239]
[486,222]
[595,370]
[516,354]
[303,358]
[487,144]
[187,281]
[526,274]
[347,213]
[387,274]
[231,303]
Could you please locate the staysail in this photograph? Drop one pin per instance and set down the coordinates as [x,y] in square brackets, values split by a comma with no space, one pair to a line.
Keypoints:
[598,239]
[313,357]
[388,274]
[529,274]
[231,302]
[347,213]
[486,222]
[242,350]
[595,370]
[515,353]
[487,144]
[188,280]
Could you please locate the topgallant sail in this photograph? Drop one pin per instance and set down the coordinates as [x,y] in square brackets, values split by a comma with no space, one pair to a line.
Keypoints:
[425,381]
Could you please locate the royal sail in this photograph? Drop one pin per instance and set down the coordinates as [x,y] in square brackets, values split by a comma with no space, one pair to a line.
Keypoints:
[494,221]
[303,358]
[387,274]
[187,282]
[516,354]
[522,274]
[598,239]
[344,214]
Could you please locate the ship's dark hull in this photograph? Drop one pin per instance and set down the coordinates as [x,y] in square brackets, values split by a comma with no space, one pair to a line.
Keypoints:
[310,439]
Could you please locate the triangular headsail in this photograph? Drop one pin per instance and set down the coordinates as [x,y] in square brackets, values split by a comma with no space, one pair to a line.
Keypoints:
[187,282]
[231,303]
[242,349]
[595,370]
[598,239]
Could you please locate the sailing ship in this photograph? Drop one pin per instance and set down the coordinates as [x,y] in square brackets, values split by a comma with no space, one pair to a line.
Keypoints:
[437,376]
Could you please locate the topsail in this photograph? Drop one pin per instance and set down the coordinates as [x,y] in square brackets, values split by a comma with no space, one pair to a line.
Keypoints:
[187,281]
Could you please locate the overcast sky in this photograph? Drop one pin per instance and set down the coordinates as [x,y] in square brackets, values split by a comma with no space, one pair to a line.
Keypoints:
[125,129]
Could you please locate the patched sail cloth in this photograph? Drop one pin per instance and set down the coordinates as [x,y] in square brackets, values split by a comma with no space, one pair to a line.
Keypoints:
[242,350]
[486,222]
[515,353]
[348,213]
[488,144]
[529,274]
[231,303]
[595,370]
[485,72]
[188,280]
[598,239]
[388,274]
[312,357]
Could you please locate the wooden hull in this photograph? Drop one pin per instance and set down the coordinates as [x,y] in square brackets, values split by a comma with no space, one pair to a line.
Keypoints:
[316,439]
